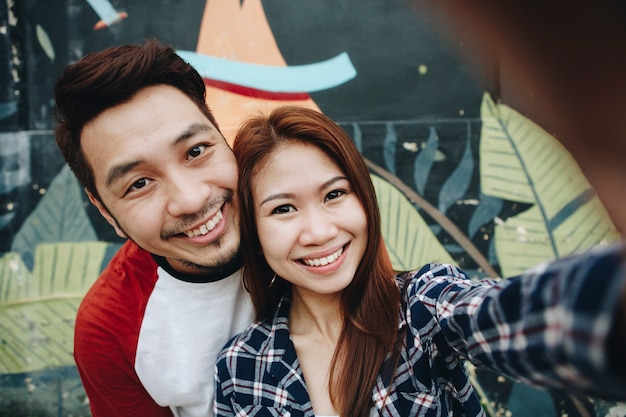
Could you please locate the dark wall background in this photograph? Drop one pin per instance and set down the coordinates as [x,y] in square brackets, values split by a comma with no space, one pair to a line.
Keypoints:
[410,83]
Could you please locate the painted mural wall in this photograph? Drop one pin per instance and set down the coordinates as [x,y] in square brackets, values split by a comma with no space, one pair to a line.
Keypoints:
[461,176]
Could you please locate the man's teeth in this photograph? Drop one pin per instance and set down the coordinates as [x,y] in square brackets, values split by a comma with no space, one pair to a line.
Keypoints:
[207,227]
[325,260]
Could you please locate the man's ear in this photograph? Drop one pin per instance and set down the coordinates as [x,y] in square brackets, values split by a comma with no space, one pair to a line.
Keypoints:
[105,213]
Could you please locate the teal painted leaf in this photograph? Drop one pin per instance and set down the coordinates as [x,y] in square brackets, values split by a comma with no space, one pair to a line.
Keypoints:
[60,216]
[488,208]
[7,109]
[357,137]
[525,400]
[389,148]
[409,240]
[424,160]
[458,182]
[521,162]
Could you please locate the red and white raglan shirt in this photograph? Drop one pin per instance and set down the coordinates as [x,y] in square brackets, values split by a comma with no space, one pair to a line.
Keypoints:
[147,338]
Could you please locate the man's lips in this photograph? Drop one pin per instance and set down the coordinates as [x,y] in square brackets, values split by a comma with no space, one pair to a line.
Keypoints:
[205,228]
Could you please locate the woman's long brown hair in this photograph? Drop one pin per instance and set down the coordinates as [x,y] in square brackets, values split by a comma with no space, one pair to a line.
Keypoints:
[371,302]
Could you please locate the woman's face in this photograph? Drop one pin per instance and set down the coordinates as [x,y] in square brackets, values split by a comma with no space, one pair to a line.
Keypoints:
[311,225]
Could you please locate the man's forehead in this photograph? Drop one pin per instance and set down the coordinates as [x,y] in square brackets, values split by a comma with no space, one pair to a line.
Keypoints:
[157,112]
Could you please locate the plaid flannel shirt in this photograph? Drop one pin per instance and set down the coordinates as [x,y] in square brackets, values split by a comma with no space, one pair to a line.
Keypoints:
[548,327]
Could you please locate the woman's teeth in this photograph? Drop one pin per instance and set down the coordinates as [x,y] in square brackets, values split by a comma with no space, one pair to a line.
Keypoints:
[325,260]
[207,227]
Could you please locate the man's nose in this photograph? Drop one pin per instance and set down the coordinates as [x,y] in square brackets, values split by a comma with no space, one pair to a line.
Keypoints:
[186,195]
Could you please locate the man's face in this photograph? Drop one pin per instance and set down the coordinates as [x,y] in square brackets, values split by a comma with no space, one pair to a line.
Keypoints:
[166,178]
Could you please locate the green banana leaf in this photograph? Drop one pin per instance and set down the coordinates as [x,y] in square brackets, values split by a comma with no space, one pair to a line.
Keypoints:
[409,240]
[37,309]
[521,162]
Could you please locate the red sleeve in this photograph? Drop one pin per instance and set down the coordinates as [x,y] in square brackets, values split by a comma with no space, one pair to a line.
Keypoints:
[106,333]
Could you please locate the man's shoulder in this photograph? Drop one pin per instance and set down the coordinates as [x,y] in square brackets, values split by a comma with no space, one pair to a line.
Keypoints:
[131,263]
[130,258]
[130,275]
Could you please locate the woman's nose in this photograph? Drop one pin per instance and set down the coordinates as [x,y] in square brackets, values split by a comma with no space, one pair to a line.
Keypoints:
[318,227]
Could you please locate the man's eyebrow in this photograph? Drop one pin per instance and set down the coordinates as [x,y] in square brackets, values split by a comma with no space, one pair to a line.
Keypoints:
[117,171]
[191,131]
[288,195]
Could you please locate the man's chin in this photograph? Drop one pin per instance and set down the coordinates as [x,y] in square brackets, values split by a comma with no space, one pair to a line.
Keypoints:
[226,263]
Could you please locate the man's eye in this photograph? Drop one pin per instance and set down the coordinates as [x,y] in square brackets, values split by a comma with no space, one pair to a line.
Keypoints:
[139,184]
[196,151]
[285,208]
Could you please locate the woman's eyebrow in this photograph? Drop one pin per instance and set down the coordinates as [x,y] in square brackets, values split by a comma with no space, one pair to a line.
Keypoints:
[288,195]
[275,197]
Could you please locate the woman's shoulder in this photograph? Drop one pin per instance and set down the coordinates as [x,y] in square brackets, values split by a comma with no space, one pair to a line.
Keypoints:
[250,341]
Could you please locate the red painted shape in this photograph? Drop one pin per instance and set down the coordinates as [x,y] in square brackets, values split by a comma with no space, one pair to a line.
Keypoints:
[256,93]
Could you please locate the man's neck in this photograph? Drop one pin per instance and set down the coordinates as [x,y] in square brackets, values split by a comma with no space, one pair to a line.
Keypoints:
[205,274]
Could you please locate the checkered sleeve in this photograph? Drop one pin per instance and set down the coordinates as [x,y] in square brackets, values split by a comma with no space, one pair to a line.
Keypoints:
[549,327]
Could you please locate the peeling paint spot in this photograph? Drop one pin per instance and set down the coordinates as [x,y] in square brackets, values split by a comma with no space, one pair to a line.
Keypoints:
[13,265]
[12,19]
[468,202]
[439,156]
[617,411]
[410,146]
[30,386]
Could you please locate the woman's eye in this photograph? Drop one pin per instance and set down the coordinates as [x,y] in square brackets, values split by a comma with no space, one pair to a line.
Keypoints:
[285,208]
[334,194]
[196,151]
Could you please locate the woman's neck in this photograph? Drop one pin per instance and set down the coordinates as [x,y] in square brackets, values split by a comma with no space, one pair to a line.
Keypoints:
[315,325]
[315,315]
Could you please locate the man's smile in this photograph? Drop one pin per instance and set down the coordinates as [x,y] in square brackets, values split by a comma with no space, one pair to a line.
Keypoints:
[206,227]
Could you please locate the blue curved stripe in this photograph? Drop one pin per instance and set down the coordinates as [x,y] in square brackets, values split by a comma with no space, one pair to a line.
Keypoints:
[104,10]
[291,79]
